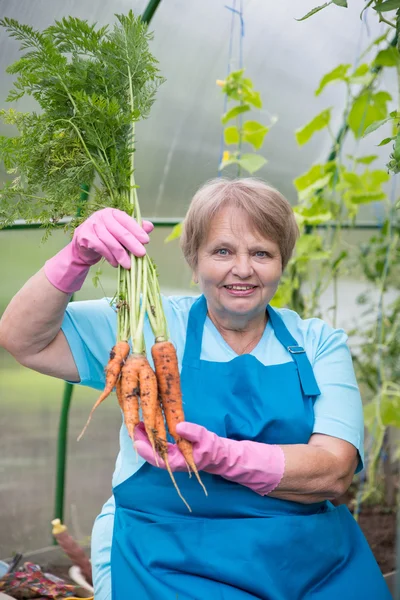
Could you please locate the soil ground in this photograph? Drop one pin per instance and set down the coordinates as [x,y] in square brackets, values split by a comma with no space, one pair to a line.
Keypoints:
[379,527]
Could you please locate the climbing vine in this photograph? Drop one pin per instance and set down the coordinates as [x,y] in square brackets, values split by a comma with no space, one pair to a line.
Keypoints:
[331,197]
[241,98]
[387,12]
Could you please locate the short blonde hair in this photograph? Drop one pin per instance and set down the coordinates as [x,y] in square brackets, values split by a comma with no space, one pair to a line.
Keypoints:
[269,212]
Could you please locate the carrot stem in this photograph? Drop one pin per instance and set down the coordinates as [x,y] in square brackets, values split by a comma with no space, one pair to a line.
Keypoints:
[138,344]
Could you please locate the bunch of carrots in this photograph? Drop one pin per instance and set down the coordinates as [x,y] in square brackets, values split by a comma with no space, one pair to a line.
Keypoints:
[93,85]
[157,393]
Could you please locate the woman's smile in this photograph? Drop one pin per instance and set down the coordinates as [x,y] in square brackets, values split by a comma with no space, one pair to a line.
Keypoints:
[241,290]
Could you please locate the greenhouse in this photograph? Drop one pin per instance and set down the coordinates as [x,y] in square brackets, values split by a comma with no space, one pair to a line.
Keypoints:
[199,242]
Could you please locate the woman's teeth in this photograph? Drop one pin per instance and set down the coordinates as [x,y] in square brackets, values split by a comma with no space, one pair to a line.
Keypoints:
[240,287]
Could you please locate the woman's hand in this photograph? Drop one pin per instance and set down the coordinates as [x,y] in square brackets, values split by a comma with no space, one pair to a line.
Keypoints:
[254,465]
[202,450]
[108,233]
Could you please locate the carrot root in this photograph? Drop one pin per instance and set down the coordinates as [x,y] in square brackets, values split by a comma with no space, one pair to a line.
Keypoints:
[148,399]
[113,369]
[130,394]
[167,372]
[160,436]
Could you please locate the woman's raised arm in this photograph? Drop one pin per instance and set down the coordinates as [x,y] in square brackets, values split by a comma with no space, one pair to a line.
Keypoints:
[30,326]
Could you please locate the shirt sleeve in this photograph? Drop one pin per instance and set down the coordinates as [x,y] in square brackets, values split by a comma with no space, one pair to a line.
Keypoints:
[90,329]
[338,410]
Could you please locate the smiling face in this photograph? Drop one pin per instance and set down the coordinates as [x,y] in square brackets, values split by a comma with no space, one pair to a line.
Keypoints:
[238,270]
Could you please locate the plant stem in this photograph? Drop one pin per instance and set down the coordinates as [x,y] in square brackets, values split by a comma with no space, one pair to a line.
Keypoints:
[383,20]
[132,285]
[157,318]
[138,345]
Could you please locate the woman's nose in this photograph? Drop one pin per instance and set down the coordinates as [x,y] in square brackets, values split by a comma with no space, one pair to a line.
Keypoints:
[242,267]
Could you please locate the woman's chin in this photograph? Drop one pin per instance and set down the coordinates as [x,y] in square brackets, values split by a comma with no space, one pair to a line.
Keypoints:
[240,303]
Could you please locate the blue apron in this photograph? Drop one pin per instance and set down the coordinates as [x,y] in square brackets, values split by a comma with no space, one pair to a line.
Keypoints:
[236,544]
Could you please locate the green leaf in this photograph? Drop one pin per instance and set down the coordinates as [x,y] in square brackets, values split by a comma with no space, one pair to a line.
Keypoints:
[343,254]
[175,233]
[380,38]
[390,412]
[367,108]
[366,160]
[226,163]
[352,179]
[363,160]
[312,215]
[310,247]
[340,3]
[362,75]
[375,125]
[316,178]
[361,70]
[386,141]
[234,112]
[375,178]
[319,122]
[253,98]
[314,11]
[388,5]
[389,57]
[366,197]
[90,85]
[231,135]
[337,74]
[396,147]
[364,188]
[251,162]
[254,133]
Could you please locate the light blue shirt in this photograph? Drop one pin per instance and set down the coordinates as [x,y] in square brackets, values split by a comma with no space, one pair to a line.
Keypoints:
[90,329]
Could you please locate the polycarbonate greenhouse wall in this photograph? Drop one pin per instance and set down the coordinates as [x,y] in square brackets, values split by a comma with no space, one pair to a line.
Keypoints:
[178,149]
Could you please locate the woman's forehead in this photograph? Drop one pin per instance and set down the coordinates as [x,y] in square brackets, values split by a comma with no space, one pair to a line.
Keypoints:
[231,222]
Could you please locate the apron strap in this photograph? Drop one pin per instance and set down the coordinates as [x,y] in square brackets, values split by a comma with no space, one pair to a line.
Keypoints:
[306,373]
[194,333]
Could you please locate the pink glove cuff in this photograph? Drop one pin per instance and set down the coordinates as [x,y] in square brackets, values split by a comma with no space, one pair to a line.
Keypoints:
[259,467]
[66,271]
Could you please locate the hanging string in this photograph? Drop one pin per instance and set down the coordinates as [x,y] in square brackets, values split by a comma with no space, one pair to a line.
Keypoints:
[221,150]
[241,63]
[235,13]
[241,35]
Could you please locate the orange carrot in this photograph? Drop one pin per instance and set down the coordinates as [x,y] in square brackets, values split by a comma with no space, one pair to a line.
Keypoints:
[160,434]
[129,390]
[117,357]
[160,438]
[148,397]
[118,390]
[167,371]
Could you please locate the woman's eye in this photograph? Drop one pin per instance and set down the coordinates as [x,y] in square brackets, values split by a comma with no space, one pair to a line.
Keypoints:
[223,252]
[261,254]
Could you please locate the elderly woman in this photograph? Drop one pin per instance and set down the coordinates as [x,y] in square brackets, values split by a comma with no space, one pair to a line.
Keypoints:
[271,405]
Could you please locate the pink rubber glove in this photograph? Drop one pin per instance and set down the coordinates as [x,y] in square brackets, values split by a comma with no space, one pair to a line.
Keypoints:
[259,467]
[108,232]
